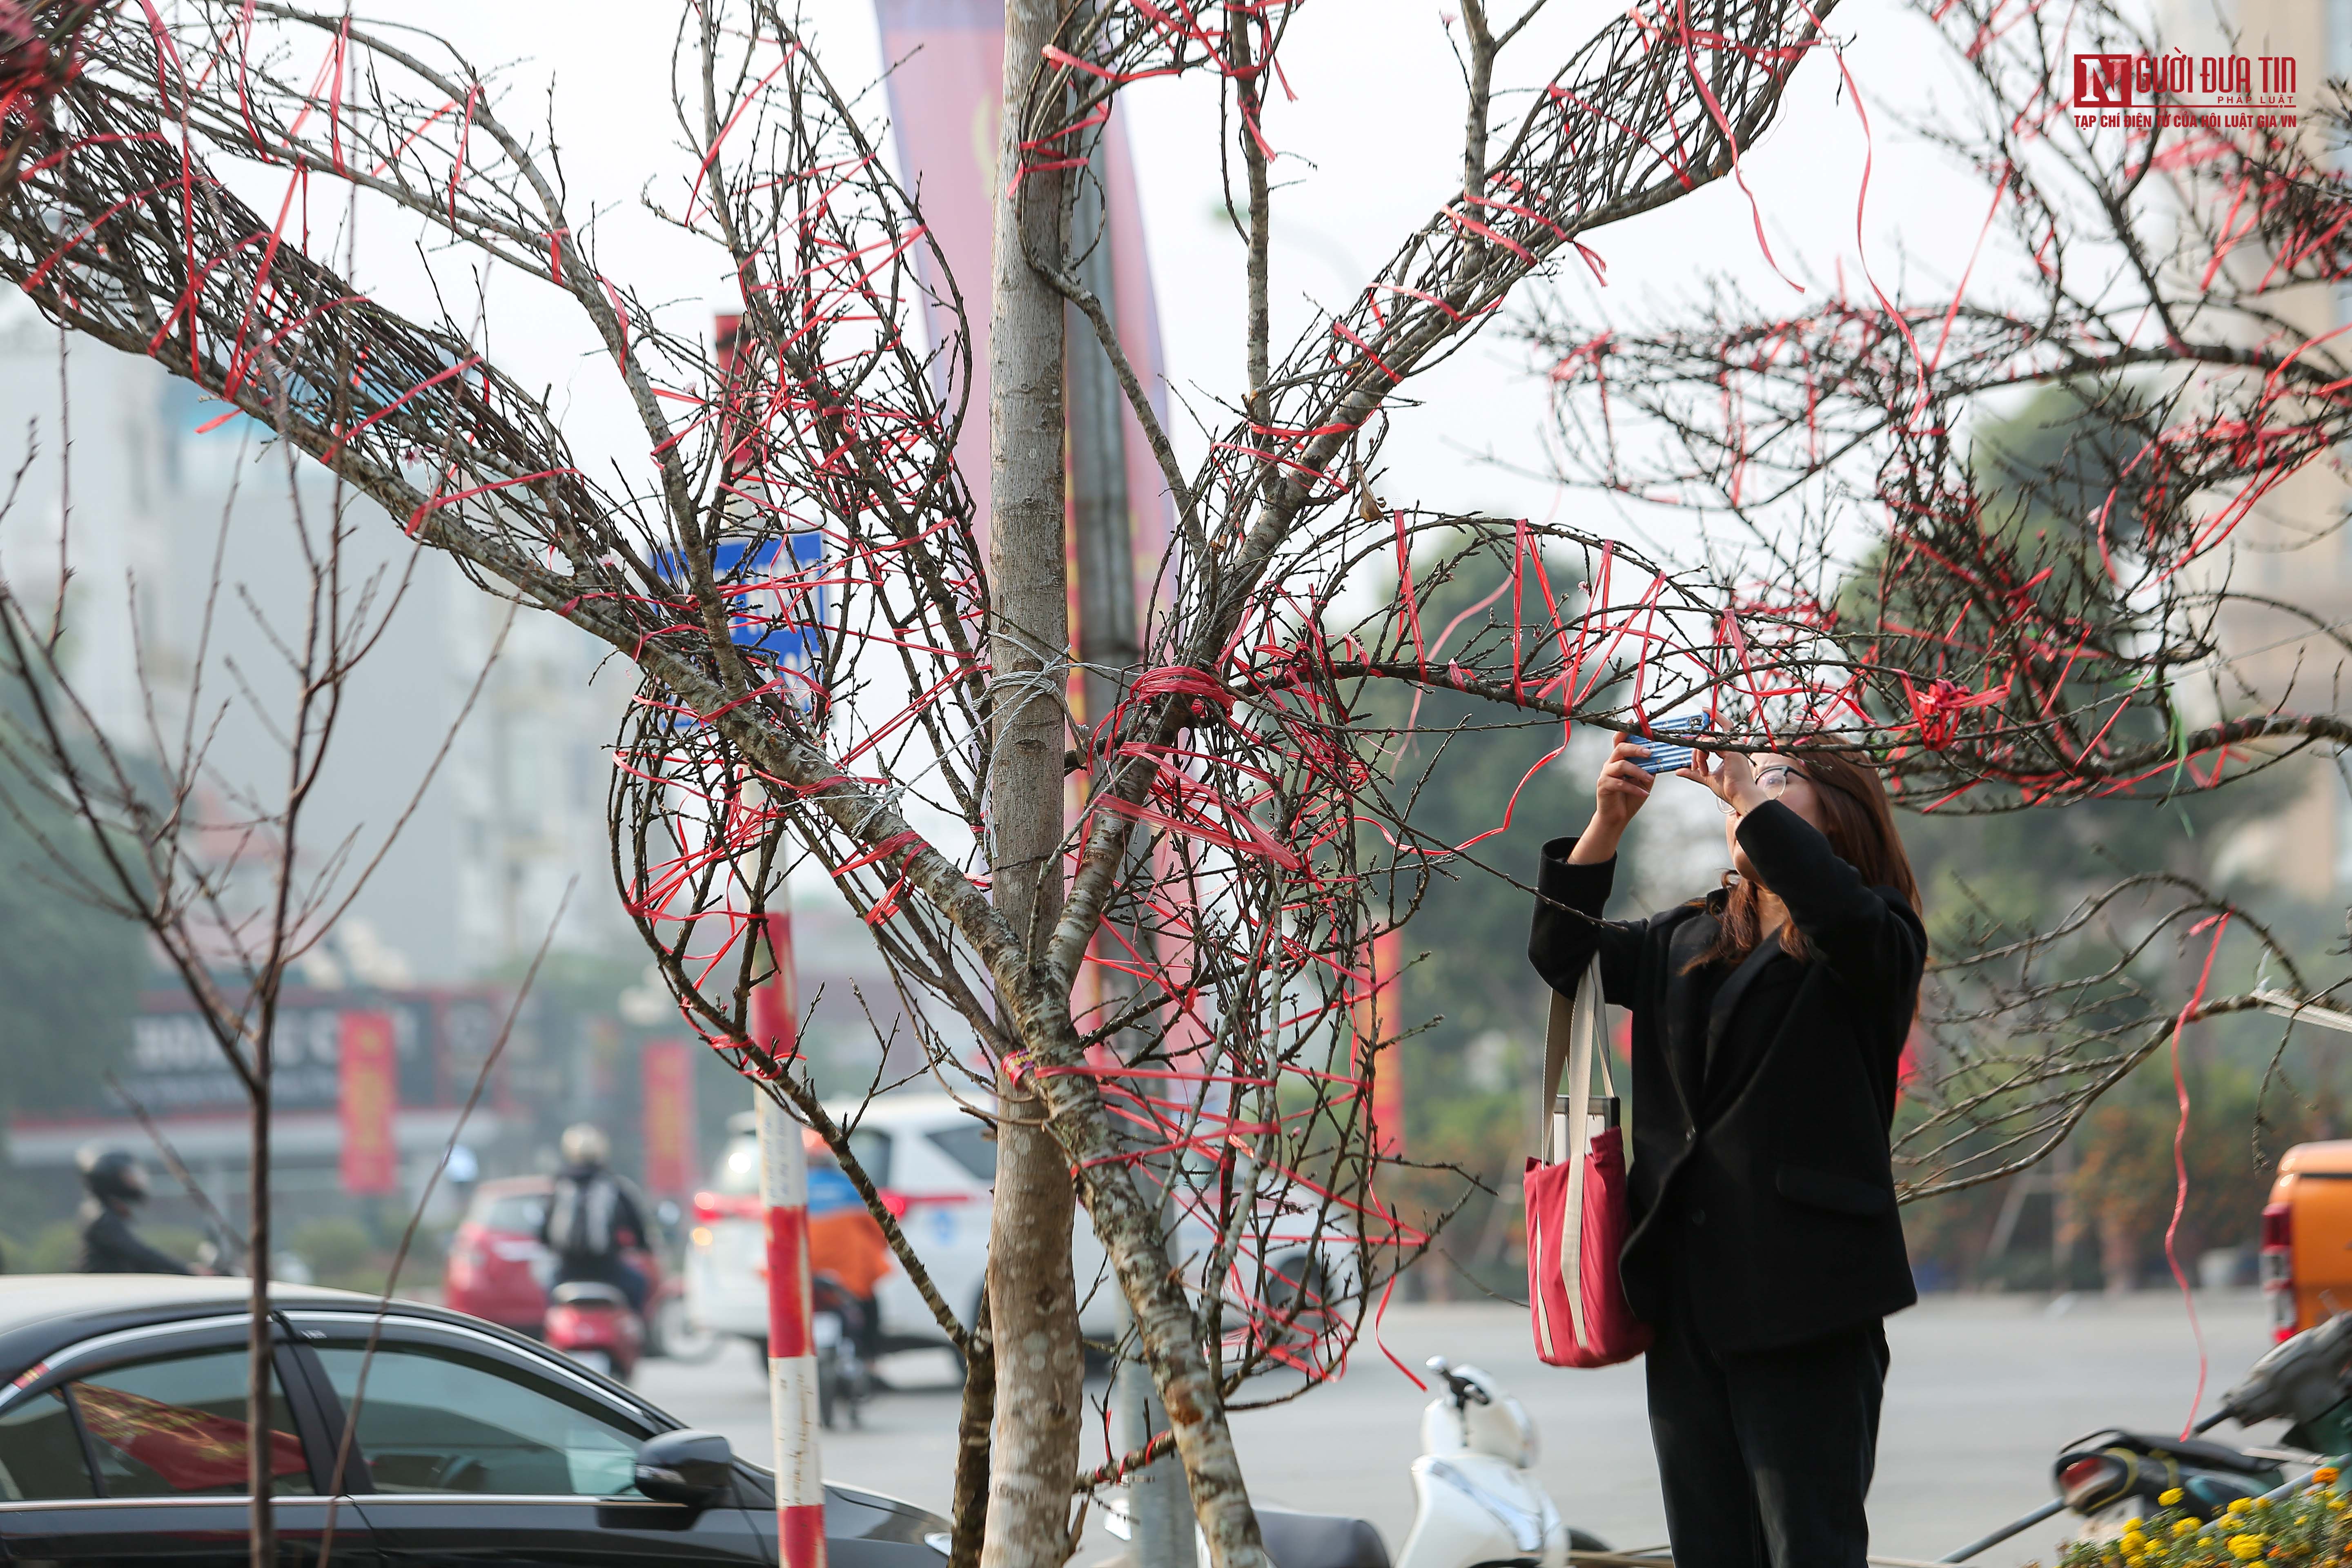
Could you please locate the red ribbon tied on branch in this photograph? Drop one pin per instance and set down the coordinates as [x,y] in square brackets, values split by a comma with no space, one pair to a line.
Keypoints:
[1936,711]
[1202,688]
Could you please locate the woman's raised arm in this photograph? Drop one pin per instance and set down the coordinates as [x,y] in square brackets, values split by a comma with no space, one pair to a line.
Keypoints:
[1572,886]
[1568,930]
[1871,942]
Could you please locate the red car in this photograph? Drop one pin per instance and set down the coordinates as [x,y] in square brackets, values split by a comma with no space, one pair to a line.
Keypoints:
[496,1261]
[497,1266]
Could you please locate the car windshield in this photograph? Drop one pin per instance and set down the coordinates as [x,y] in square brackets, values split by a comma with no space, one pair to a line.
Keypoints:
[738,1168]
[517,1212]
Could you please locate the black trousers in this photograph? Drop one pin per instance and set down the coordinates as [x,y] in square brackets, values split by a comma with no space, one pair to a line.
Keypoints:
[1766,1456]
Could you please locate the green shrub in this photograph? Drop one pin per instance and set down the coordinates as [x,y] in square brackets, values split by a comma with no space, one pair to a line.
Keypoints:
[336,1249]
[54,1249]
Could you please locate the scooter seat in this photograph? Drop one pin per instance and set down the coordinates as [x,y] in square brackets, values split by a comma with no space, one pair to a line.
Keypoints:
[1320,1540]
[583,1292]
[2188,1450]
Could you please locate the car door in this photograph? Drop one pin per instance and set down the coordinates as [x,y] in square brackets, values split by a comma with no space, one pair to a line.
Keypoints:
[131,1449]
[469,1450]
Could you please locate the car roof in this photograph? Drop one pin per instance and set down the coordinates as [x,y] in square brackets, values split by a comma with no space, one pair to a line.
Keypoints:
[43,1313]
[515,1186]
[26,1299]
[2331,1158]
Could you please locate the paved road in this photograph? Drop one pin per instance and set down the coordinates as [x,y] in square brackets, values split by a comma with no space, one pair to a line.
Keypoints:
[1984,1391]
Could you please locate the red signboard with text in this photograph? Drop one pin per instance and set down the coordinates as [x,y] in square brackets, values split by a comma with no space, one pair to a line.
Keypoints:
[368,1069]
[668,1101]
[1376,1024]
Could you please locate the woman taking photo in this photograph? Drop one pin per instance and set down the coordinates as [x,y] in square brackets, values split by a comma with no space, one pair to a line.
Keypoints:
[1764,1247]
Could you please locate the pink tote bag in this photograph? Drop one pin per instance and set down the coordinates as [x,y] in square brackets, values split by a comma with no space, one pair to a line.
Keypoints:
[1576,1203]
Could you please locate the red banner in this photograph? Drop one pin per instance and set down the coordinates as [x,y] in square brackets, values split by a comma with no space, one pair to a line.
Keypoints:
[946,87]
[667,1068]
[1376,1025]
[370,1094]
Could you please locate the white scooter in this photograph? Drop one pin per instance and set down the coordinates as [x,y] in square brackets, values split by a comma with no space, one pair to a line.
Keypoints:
[1475,1497]
[1476,1503]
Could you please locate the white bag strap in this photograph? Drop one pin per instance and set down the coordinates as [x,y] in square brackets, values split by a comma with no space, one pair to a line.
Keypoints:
[1583,1045]
[1558,1030]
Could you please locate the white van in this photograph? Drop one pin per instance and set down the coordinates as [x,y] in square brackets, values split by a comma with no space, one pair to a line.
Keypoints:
[936,1167]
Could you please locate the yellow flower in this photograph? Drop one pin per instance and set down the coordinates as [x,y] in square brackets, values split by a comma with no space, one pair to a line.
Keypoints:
[2169,1498]
[2245,1548]
[2325,1475]
[2240,1504]
[2133,1541]
[2183,1526]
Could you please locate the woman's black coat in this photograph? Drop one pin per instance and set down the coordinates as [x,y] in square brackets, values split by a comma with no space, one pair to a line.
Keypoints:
[1761,1127]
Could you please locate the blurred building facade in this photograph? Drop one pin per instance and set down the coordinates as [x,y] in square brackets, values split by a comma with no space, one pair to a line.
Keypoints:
[2294,546]
[130,483]
[154,512]
[148,488]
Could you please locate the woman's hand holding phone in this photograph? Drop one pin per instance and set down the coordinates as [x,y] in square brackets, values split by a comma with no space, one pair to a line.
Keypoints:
[1731,775]
[1617,795]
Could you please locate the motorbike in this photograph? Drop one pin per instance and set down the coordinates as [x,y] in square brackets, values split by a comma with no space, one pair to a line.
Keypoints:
[839,1328]
[593,1324]
[1477,1502]
[1475,1498]
[2112,1475]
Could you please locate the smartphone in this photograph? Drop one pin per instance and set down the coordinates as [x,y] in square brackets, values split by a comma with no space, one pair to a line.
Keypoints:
[1665,759]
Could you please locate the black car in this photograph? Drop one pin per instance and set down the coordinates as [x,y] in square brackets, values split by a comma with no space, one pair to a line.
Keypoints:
[122,1442]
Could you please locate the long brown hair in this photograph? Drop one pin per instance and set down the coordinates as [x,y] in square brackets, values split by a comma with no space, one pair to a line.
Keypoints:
[1858,821]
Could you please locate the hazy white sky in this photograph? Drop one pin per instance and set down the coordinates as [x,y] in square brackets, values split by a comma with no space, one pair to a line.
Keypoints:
[1368,148]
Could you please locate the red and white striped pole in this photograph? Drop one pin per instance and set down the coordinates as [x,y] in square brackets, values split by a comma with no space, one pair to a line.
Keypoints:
[791,1347]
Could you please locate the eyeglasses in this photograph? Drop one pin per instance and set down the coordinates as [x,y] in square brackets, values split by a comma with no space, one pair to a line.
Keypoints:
[1773,781]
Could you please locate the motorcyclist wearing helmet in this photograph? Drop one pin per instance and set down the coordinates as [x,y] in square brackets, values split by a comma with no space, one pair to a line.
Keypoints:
[117,1183]
[591,1216]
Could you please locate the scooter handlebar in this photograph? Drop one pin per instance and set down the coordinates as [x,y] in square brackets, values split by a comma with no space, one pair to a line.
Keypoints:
[1463,1389]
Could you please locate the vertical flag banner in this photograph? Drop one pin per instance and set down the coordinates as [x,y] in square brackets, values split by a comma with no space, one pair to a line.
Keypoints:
[947,89]
[1376,1019]
[368,1077]
[668,1080]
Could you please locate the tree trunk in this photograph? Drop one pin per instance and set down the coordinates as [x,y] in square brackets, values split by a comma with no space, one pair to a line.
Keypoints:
[260,1375]
[1159,1505]
[1032,1299]
[1129,1227]
[973,1421]
[1028,570]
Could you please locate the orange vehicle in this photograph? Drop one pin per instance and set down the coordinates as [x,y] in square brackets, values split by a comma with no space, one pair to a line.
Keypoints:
[2308,1237]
